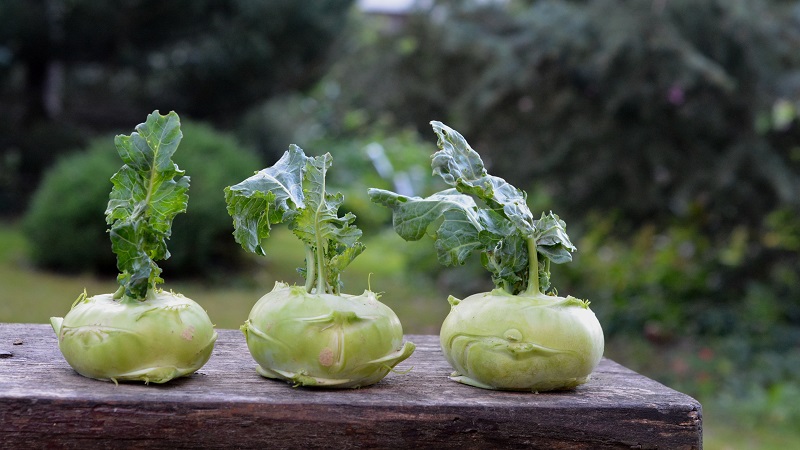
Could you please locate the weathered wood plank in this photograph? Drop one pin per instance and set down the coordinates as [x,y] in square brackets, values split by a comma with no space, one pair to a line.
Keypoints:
[44,403]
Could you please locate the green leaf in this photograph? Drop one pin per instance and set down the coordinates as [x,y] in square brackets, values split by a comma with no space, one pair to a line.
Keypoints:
[413,215]
[319,222]
[461,167]
[149,191]
[293,191]
[503,230]
[506,258]
[552,240]
[333,239]
[456,238]
[271,196]
[461,222]
[340,258]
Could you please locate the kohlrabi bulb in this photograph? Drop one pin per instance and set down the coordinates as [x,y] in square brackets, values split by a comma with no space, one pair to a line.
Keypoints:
[154,340]
[325,340]
[496,340]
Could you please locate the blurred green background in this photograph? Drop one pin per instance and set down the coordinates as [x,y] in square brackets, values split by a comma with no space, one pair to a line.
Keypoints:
[665,133]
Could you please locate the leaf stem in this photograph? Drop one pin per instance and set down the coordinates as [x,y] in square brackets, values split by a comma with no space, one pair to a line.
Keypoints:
[310,268]
[322,274]
[533,268]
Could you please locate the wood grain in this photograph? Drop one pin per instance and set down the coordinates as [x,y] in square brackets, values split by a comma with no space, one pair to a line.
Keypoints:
[45,404]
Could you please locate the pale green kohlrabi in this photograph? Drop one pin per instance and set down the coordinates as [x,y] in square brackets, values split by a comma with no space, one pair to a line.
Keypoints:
[312,335]
[521,335]
[140,333]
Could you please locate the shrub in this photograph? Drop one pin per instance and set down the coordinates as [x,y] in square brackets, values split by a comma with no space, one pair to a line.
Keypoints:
[65,222]
[729,300]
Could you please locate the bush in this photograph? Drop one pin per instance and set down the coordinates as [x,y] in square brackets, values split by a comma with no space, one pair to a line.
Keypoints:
[729,300]
[680,281]
[65,222]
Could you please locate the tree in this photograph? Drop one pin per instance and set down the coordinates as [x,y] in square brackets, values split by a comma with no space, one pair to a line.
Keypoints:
[71,65]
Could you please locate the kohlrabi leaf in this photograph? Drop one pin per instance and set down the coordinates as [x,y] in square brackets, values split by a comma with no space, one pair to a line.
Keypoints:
[149,191]
[271,196]
[333,239]
[506,257]
[413,215]
[455,238]
[514,247]
[461,167]
[340,256]
[293,191]
[319,221]
[552,240]
[457,214]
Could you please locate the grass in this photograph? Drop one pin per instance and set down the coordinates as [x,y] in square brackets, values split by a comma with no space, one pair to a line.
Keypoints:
[727,435]
[28,295]
[33,296]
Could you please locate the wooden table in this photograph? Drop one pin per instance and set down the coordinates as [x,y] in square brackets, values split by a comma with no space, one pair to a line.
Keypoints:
[44,403]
